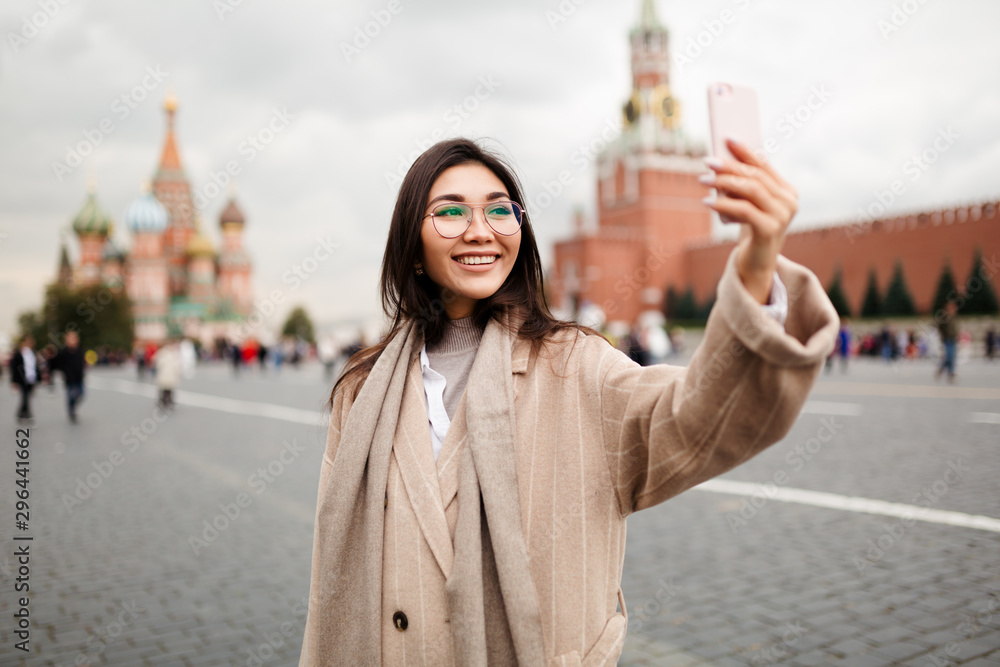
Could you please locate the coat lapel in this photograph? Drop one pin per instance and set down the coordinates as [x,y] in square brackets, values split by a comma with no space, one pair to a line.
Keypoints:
[415,456]
[450,455]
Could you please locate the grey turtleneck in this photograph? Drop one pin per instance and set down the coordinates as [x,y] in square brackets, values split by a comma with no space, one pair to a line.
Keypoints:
[452,357]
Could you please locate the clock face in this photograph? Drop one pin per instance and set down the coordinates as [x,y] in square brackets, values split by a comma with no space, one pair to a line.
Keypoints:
[665,106]
[631,113]
[668,107]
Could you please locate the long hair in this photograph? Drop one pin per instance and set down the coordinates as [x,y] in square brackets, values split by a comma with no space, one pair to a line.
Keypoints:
[407,296]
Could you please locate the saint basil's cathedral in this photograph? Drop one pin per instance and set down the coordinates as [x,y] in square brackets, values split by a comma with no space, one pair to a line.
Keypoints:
[177,282]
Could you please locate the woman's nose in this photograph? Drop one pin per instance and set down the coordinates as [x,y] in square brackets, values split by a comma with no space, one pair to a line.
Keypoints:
[479,228]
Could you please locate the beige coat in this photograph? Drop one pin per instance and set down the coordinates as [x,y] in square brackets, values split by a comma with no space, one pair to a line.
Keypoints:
[598,438]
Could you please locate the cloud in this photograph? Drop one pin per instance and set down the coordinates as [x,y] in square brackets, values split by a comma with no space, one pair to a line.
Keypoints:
[356,121]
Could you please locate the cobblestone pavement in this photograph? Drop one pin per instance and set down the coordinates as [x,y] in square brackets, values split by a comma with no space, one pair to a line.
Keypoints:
[191,545]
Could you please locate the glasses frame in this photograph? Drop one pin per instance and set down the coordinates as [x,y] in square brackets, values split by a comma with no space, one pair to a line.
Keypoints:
[472,214]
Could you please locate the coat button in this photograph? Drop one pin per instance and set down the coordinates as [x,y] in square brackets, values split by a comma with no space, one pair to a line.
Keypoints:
[399,620]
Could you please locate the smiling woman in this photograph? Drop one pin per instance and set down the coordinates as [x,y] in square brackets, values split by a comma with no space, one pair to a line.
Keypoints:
[483,457]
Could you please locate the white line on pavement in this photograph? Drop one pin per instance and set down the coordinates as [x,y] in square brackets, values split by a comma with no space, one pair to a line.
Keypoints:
[852,504]
[831,408]
[209,402]
[985,418]
[800,496]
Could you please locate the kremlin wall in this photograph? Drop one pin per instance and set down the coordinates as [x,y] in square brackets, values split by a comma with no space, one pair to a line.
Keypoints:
[653,232]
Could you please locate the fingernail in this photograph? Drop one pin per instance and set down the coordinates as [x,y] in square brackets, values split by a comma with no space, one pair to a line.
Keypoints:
[735,143]
[707,179]
[708,200]
[713,162]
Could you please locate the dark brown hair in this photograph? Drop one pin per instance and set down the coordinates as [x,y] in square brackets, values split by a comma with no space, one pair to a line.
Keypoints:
[407,296]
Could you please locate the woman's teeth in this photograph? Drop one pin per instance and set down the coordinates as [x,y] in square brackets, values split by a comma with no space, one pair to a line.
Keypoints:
[477,260]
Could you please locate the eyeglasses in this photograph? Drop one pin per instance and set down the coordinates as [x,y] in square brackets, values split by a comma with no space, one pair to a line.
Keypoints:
[451,219]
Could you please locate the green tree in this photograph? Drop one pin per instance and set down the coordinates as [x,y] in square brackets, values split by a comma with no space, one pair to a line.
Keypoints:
[946,289]
[299,325]
[706,309]
[670,303]
[897,298]
[687,307]
[872,304]
[836,293]
[100,315]
[980,299]
[29,322]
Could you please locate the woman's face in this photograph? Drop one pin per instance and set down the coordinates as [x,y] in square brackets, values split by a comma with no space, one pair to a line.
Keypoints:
[445,260]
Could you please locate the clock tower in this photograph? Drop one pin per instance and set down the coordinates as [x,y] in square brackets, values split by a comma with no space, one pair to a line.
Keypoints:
[649,207]
[651,112]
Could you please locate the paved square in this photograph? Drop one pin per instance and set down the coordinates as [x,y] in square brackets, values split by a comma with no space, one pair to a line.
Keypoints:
[186,539]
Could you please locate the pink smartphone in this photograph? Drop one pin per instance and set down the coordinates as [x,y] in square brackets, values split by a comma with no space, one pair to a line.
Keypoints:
[732,114]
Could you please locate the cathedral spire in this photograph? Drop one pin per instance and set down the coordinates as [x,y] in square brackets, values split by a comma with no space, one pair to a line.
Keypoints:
[649,20]
[170,160]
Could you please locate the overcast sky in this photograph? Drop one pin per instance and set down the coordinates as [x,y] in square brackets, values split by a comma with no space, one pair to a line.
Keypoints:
[551,75]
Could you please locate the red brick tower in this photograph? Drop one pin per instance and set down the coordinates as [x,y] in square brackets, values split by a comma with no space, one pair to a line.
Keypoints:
[92,226]
[171,188]
[649,198]
[234,286]
[147,272]
[201,277]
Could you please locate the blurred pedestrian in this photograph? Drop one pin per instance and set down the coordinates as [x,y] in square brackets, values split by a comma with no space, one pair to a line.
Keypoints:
[236,357]
[70,362]
[167,361]
[188,357]
[327,353]
[948,328]
[24,375]
[991,343]
[843,349]
[262,357]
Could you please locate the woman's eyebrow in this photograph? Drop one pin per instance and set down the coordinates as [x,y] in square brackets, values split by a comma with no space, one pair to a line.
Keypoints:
[455,197]
[451,197]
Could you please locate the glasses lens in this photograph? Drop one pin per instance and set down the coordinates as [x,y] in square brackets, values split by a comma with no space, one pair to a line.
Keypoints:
[504,217]
[452,220]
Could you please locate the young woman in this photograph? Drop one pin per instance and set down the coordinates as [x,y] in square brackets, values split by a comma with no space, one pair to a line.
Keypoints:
[482,459]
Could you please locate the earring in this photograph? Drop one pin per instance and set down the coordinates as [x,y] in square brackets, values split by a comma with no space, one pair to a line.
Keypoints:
[420,269]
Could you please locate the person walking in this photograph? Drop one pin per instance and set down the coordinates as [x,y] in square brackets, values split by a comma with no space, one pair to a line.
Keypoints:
[991,343]
[70,362]
[24,375]
[948,328]
[167,362]
[482,459]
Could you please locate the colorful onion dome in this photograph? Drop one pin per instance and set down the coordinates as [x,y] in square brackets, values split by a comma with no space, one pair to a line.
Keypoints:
[231,214]
[91,219]
[200,246]
[146,214]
